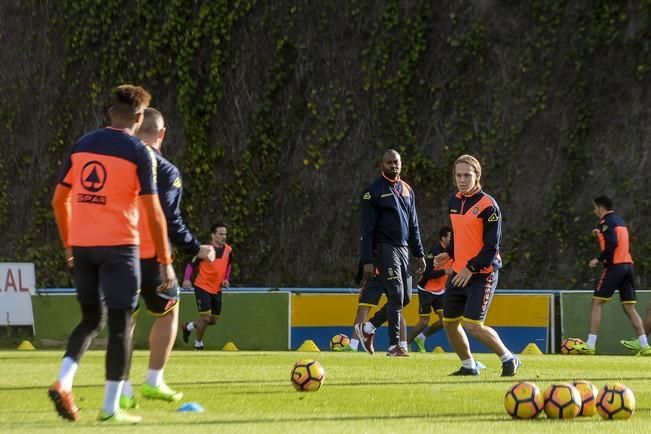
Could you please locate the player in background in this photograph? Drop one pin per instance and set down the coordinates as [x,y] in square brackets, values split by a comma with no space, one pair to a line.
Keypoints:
[211,278]
[476,234]
[431,288]
[616,259]
[95,206]
[163,305]
[370,292]
[389,231]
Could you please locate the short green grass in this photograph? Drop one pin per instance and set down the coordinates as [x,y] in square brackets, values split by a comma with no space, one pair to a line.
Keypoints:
[249,392]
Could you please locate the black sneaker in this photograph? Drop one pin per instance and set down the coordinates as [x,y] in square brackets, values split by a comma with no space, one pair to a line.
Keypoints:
[465,371]
[198,348]
[510,367]
[186,332]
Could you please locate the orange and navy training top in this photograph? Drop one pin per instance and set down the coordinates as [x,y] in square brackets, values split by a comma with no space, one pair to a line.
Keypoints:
[476,233]
[211,275]
[613,240]
[106,170]
[434,278]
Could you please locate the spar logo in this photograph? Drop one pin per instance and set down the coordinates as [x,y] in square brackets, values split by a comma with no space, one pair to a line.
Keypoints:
[93,178]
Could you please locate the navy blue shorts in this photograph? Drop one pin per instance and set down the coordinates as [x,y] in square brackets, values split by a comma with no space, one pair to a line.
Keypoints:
[429,302]
[471,302]
[107,275]
[158,304]
[208,302]
[617,277]
[370,293]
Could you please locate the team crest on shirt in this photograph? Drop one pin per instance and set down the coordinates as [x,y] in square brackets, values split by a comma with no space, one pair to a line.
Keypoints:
[366,196]
[475,210]
[493,218]
[604,228]
[177,182]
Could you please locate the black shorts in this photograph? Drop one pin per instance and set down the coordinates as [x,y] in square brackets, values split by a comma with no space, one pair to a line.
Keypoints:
[471,302]
[617,277]
[107,275]
[429,302]
[208,302]
[370,293]
[157,304]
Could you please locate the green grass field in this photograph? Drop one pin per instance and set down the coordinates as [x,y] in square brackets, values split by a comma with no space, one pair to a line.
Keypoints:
[249,392]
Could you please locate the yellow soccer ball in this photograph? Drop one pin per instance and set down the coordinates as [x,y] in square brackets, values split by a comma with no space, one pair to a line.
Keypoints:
[307,375]
[523,400]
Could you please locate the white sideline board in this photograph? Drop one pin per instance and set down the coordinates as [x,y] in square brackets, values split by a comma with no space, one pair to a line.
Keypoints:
[17,284]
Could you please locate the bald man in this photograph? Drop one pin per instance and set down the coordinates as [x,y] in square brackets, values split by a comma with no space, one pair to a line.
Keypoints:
[389,232]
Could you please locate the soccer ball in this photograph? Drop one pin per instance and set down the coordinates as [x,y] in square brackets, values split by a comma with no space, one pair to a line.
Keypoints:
[588,393]
[615,401]
[307,375]
[567,346]
[562,401]
[339,342]
[523,400]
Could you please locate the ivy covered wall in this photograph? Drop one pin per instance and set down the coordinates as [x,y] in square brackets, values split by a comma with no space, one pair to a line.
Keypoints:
[278,113]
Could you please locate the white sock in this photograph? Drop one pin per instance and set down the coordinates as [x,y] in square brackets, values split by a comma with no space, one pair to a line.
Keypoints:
[469,363]
[506,356]
[67,373]
[154,377]
[198,343]
[592,341]
[353,344]
[190,326]
[404,345]
[112,391]
[369,328]
[127,389]
[643,341]
[421,337]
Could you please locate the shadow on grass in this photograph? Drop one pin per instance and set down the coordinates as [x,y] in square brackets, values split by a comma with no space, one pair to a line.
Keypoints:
[371,383]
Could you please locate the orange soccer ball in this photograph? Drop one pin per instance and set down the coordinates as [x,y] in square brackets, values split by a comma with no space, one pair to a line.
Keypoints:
[588,393]
[307,375]
[523,400]
[562,401]
[339,342]
[567,346]
[615,401]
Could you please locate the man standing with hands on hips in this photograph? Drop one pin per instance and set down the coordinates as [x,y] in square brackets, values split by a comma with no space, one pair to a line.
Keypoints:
[389,230]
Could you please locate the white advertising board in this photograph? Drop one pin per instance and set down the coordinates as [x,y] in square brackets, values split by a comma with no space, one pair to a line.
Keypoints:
[17,284]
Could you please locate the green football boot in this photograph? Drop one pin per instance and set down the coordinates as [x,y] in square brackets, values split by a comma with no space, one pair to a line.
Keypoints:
[584,349]
[644,352]
[119,417]
[420,343]
[128,402]
[631,344]
[162,392]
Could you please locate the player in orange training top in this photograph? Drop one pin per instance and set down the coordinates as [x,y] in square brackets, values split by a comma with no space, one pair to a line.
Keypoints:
[211,278]
[96,209]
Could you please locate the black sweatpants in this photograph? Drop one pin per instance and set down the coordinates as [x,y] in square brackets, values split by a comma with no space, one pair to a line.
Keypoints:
[393,265]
